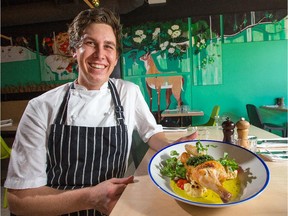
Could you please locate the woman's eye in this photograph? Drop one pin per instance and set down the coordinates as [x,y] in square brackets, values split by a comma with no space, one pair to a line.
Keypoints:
[90,43]
[108,47]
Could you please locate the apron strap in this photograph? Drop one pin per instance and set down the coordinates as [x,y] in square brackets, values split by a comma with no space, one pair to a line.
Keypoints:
[118,107]
[119,111]
[62,113]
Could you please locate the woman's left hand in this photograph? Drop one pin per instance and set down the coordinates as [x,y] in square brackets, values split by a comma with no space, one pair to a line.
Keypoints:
[187,138]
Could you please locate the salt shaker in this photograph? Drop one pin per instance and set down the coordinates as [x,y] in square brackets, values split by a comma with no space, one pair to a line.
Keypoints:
[228,130]
[243,131]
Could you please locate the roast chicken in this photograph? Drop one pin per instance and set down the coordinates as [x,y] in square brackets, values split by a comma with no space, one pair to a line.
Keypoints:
[210,174]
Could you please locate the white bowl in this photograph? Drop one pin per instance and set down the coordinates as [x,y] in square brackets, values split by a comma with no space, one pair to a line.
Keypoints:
[254,180]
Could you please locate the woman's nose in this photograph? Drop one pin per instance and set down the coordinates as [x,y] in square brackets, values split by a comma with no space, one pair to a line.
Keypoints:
[98,52]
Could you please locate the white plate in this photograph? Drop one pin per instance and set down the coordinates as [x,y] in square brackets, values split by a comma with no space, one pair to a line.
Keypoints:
[254,179]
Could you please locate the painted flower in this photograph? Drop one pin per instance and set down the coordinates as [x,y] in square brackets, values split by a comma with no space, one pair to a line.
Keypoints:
[174,32]
[139,39]
[171,50]
[157,37]
[164,45]
[175,27]
[155,33]
[139,32]
[173,44]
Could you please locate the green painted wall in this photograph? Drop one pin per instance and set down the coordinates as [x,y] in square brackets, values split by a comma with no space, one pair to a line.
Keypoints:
[254,73]
[21,72]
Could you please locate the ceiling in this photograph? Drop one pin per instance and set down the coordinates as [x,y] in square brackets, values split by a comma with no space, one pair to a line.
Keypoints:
[25,12]
[20,14]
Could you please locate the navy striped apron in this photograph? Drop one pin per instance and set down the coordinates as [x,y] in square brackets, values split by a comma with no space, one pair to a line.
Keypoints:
[80,156]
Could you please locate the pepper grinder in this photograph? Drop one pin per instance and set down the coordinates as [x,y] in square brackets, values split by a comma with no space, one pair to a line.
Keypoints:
[243,131]
[228,130]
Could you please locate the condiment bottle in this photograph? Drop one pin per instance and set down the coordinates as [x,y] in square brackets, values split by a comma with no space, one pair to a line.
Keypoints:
[228,130]
[243,131]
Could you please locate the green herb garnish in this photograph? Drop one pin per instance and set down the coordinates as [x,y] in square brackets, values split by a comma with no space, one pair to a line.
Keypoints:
[172,167]
[203,149]
[194,161]
[175,169]
[228,162]
[174,153]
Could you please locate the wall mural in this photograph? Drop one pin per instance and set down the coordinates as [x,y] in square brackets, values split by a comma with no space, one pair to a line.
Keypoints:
[154,50]
[164,58]
[169,57]
[206,51]
[52,52]
[19,49]
[57,64]
[255,26]
[178,47]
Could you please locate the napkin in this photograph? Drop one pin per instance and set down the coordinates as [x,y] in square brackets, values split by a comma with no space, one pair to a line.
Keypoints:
[274,155]
[273,149]
[272,143]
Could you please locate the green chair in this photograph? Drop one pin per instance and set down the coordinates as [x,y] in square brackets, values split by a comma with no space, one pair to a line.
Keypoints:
[211,121]
[138,148]
[5,153]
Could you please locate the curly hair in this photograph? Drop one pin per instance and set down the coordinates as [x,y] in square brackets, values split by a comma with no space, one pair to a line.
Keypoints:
[89,16]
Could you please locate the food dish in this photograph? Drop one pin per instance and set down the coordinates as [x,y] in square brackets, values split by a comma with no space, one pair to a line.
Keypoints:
[254,179]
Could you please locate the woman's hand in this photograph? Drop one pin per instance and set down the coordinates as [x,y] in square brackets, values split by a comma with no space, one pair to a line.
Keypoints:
[105,195]
[187,138]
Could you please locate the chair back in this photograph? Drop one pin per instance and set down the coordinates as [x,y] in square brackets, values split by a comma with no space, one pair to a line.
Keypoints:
[5,150]
[254,116]
[138,148]
[215,112]
[5,153]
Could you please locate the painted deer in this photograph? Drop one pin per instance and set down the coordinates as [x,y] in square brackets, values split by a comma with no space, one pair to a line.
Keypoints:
[172,84]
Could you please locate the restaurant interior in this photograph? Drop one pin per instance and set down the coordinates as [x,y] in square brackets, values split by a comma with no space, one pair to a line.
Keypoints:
[229,54]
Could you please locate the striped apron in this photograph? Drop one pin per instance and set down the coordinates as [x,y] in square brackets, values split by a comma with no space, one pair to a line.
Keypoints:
[80,156]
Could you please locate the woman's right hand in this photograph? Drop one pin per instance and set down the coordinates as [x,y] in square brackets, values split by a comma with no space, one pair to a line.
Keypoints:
[105,195]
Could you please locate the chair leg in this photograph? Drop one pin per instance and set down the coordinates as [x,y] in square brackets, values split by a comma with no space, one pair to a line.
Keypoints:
[5,202]
[284,133]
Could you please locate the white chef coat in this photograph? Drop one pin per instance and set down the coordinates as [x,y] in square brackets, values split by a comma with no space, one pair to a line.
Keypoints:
[94,108]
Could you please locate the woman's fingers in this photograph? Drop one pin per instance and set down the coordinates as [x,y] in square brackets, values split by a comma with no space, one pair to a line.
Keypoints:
[188,137]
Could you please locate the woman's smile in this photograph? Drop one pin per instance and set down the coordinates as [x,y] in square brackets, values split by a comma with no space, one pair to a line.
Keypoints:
[97,56]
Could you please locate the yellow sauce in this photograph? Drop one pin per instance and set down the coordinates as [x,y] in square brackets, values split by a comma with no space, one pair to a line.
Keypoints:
[210,197]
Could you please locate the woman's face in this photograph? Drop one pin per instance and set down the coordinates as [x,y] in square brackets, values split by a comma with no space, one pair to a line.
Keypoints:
[97,56]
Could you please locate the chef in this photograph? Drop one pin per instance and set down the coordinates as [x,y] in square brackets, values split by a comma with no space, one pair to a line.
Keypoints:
[72,146]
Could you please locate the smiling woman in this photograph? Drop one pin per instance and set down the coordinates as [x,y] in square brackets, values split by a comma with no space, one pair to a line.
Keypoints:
[81,132]
[96,46]
[96,56]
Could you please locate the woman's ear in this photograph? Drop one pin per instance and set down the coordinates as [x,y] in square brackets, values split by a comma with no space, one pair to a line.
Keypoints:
[117,59]
[116,62]
[73,53]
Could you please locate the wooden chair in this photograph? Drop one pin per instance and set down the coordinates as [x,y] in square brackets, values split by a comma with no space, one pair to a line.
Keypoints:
[256,120]
[5,153]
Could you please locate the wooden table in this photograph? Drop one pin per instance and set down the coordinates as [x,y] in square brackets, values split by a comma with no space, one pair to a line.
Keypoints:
[9,131]
[276,108]
[144,198]
[177,113]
